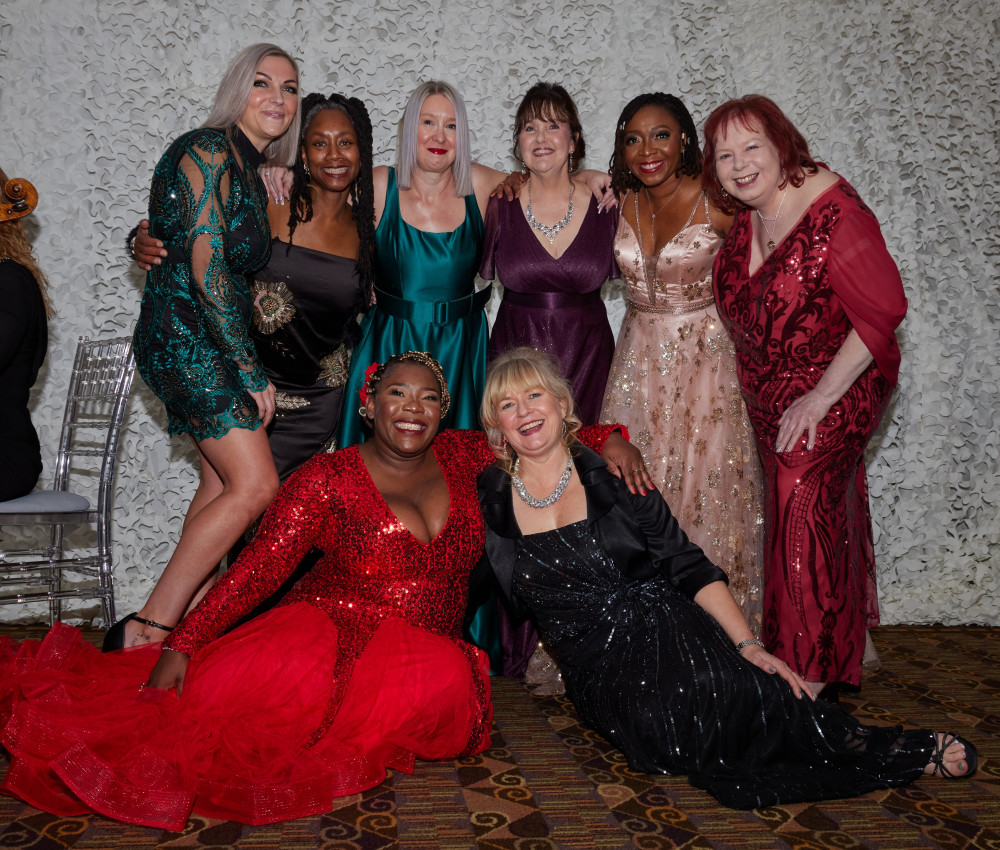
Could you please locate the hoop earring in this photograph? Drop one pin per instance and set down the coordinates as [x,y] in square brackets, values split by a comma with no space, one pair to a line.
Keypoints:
[363,412]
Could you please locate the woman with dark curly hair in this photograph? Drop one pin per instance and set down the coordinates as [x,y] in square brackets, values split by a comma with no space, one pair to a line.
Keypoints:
[673,379]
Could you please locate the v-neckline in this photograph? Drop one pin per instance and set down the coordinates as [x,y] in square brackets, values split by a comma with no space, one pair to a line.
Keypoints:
[392,513]
[791,230]
[538,242]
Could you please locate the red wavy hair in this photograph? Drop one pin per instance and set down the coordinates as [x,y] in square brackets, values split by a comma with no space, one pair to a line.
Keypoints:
[755,112]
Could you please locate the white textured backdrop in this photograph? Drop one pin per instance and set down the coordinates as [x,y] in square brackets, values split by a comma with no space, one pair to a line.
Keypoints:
[897,96]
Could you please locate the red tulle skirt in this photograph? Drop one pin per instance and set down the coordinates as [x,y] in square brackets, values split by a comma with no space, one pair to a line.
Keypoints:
[83,738]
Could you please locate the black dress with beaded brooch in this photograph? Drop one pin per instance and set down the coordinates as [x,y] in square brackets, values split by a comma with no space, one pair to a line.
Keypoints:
[655,674]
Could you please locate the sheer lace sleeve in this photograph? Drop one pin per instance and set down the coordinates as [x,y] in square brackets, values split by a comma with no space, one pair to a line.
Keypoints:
[204,172]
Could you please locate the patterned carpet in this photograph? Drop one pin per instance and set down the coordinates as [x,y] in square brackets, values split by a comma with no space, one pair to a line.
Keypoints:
[547,782]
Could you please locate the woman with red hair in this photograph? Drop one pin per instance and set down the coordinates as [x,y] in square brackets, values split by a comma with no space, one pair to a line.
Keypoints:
[811,298]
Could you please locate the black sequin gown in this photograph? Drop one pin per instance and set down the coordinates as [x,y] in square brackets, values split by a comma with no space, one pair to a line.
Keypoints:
[657,676]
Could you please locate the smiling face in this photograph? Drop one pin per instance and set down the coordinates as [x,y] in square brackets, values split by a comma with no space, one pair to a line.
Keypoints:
[653,145]
[531,420]
[436,134]
[748,166]
[273,100]
[405,410]
[330,150]
[545,143]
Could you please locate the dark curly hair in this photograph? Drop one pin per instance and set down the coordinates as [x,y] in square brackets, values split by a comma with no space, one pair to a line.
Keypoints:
[362,191]
[621,178]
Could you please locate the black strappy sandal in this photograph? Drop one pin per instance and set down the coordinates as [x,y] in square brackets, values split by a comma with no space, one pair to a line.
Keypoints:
[115,636]
[937,757]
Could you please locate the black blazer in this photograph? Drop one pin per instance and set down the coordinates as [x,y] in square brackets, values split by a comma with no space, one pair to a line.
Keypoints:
[638,532]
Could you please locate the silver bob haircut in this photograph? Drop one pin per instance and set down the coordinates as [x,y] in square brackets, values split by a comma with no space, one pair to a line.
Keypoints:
[233,95]
[406,150]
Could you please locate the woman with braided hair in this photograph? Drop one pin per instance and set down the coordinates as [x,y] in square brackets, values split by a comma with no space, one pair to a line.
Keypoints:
[361,666]
[308,297]
[673,378]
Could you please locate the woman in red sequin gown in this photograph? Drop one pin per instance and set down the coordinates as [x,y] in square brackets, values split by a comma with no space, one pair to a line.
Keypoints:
[811,298]
[360,668]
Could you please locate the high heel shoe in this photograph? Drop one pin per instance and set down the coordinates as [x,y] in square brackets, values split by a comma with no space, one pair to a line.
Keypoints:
[945,740]
[114,638]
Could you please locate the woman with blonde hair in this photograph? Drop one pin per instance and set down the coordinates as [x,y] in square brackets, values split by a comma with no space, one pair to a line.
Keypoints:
[192,341]
[24,309]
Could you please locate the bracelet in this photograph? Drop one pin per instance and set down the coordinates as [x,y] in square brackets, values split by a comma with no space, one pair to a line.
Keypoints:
[130,242]
[743,644]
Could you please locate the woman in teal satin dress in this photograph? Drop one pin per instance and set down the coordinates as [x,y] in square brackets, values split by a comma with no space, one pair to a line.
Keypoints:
[428,242]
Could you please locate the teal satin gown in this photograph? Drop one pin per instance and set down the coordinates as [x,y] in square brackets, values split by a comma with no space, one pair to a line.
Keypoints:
[425,300]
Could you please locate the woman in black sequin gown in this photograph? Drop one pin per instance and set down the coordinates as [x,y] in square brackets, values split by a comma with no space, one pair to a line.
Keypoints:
[644,627]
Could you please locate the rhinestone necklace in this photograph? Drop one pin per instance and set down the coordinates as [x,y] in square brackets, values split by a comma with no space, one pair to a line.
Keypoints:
[553,497]
[550,231]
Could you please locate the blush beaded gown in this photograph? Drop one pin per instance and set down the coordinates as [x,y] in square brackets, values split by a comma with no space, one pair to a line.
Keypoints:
[673,382]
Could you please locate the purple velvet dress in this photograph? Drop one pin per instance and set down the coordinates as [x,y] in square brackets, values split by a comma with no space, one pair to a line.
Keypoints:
[554,304]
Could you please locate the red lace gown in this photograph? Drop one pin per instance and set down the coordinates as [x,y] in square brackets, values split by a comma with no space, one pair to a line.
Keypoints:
[832,273]
[359,669]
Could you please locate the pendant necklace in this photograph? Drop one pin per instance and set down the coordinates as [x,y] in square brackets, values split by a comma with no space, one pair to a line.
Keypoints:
[550,231]
[553,497]
[774,221]
[651,280]
[670,197]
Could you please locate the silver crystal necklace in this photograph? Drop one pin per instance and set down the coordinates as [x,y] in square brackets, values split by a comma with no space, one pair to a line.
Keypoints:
[553,497]
[550,231]
[774,221]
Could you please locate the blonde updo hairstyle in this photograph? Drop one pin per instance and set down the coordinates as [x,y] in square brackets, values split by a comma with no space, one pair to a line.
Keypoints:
[515,371]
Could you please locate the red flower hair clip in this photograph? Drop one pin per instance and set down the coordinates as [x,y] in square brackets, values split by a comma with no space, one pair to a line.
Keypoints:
[366,385]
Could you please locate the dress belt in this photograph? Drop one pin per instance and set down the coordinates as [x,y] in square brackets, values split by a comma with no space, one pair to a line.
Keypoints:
[432,312]
[551,300]
[671,309]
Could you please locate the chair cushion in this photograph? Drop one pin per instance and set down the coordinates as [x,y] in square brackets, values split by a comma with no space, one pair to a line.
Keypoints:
[45,502]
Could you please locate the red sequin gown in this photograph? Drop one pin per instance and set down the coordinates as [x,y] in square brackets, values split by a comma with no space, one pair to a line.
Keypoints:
[359,669]
[832,273]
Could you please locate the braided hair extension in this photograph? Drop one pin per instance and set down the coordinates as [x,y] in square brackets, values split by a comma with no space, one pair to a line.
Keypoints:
[424,359]
[621,178]
[362,189]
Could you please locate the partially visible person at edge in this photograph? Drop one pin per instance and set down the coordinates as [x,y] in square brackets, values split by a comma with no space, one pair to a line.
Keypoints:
[673,380]
[811,298]
[656,655]
[378,677]
[192,342]
[319,279]
[552,259]
[24,310]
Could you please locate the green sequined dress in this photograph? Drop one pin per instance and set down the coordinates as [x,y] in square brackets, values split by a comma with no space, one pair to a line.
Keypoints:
[192,340]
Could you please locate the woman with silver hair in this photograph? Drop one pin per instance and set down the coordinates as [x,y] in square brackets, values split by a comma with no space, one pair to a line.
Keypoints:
[192,340]
[428,240]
